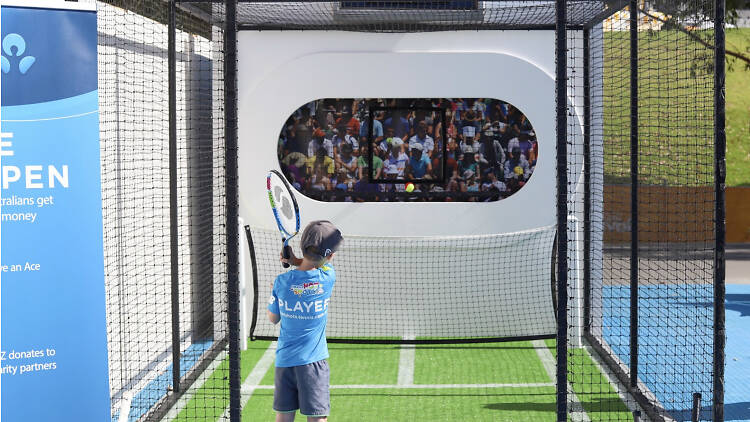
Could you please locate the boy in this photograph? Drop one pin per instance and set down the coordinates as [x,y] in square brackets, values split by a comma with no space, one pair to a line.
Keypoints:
[299,299]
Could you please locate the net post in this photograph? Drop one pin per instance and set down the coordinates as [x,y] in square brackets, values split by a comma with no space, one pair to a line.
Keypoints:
[634,193]
[561,79]
[254,264]
[586,182]
[173,219]
[695,414]
[720,141]
[232,192]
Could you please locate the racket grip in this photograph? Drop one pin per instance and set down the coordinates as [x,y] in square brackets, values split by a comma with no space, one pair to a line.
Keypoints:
[286,252]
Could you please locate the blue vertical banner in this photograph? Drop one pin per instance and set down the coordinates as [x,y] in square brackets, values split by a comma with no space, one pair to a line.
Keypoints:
[53,340]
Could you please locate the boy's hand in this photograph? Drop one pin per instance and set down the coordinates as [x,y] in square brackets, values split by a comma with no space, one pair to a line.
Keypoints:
[293,260]
[284,260]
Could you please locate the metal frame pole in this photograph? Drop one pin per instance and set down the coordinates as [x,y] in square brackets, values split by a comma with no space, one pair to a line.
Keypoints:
[232,191]
[561,99]
[173,218]
[586,182]
[720,143]
[634,193]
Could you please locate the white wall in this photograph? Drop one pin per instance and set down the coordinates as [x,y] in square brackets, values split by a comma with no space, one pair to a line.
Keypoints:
[281,71]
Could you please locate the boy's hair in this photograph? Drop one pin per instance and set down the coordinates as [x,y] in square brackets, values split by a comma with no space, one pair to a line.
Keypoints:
[317,260]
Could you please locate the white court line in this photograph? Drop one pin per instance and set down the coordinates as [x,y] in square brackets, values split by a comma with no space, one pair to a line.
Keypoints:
[253,380]
[154,370]
[125,407]
[425,386]
[183,401]
[54,118]
[406,363]
[577,413]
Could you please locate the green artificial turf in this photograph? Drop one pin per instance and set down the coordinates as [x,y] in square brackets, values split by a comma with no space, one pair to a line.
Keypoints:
[488,363]
[492,363]
[211,399]
[597,396]
[359,364]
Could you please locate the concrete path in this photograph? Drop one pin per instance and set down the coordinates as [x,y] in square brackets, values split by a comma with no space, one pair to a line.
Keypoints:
[738,263]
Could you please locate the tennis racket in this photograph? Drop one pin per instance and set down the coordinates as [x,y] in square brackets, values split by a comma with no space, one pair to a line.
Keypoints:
[285,210]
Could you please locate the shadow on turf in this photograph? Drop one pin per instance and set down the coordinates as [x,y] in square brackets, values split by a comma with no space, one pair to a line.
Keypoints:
[593,405]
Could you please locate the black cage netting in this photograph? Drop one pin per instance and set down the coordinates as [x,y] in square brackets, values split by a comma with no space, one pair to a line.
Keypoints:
[163,190]
[639,264]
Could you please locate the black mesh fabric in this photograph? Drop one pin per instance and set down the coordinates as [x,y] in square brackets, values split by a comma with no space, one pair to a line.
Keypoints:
[415,16]
[647,330]
[134,136]
[668,271]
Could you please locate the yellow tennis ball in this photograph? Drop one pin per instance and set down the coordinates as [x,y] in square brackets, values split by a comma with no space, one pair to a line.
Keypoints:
[518,170]
[410,187]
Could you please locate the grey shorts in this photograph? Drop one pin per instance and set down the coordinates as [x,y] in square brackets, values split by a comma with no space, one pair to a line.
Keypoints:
[303,387]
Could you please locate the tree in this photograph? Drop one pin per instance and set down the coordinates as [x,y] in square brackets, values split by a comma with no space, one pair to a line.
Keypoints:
[686,16]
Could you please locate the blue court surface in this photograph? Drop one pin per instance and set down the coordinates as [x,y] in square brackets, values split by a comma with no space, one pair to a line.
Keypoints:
[737,374]
[155,390]
[663,352]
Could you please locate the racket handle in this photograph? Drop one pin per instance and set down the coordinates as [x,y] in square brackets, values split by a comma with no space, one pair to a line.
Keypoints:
[286,252]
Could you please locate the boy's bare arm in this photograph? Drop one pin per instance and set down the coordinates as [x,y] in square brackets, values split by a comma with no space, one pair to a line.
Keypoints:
[293,260]
[274,318]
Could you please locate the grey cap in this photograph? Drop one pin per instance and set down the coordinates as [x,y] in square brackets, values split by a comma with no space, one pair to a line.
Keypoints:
[320,239]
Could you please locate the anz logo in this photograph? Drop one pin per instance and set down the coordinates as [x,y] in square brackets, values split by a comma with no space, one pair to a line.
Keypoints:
[14,46]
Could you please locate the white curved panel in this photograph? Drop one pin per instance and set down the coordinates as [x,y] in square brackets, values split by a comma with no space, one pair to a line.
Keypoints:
[273,87]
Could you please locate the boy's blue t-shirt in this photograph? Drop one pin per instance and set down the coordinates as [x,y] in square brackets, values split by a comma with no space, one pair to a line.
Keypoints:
[302,298]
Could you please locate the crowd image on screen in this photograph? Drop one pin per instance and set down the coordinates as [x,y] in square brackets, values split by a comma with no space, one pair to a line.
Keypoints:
[457,149]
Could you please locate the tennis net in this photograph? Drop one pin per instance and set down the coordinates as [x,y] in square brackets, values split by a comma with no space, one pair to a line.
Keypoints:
[425,289]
